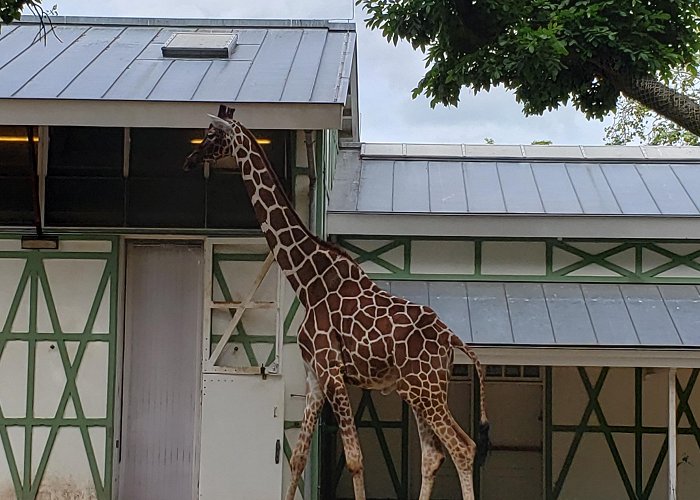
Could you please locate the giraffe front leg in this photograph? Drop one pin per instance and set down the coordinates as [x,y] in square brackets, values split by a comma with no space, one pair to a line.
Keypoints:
[432,455]
[300,455]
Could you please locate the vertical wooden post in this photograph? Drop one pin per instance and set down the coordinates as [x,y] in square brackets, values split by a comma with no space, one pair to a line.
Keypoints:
[672,460]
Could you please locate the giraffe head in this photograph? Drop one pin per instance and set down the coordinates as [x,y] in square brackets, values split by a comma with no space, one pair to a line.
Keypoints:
[222,140]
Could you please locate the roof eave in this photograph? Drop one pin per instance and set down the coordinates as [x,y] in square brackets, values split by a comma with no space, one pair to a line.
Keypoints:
[629,357]
[167,114]
[515,225]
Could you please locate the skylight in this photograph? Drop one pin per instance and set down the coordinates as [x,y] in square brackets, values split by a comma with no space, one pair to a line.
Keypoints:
[200,45]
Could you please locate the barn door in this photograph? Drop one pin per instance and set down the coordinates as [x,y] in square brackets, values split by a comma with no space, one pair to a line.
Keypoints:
[242,393]
[161,371]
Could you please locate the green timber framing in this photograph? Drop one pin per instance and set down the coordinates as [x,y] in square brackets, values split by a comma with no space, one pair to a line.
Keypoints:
[643,258]
[637,485]
[34,278]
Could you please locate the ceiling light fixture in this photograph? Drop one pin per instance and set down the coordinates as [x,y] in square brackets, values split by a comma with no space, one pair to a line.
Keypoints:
[15,138]
[263,141]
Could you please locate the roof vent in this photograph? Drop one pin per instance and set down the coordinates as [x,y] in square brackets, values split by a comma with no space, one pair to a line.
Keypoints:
[200,45]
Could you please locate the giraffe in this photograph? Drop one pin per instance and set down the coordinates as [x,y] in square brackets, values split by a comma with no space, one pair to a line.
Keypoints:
[353,331]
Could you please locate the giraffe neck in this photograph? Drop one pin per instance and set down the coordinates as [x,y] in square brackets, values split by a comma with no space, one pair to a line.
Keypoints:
[288,238]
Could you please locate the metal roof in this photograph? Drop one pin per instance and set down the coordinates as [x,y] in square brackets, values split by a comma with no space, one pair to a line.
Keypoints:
[562,314]
[534,183]
[96,60]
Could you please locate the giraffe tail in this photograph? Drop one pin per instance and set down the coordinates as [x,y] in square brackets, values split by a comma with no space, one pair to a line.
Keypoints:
[483,442]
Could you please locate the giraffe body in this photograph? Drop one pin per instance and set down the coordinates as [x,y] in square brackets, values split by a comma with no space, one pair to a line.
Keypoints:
[353,332]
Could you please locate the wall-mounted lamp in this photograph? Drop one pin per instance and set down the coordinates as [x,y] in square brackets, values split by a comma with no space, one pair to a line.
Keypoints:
[39,243]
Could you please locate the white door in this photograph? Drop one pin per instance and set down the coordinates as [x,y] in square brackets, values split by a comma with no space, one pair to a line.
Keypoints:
[162,353]
[242,437]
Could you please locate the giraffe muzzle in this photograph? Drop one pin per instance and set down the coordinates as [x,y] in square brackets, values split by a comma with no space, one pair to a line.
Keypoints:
[192,161]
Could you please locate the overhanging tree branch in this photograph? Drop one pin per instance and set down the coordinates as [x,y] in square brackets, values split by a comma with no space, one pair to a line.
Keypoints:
[550,52]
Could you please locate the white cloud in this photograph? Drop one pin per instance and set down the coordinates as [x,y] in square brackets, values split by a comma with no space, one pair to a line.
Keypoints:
[387,75]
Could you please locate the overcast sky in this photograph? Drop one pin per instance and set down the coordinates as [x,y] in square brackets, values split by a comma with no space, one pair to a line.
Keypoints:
[387,74]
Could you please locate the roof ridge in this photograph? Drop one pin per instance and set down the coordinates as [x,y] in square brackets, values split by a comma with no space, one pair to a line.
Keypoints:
[194,22]
[552,152]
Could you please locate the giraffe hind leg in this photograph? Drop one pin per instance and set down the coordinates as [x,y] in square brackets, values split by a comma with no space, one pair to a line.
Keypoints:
[438,417]
[432,455]
[459,445]
[300,455]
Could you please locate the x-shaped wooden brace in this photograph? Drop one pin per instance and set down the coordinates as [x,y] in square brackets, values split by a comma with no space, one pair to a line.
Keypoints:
[241,307]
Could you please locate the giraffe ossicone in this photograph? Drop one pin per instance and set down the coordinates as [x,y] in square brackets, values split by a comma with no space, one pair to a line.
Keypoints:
[353,332]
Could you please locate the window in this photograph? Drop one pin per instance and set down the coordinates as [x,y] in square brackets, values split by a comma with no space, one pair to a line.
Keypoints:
[85,180]
[86,186]
[160,192]
[16,194]
[506,372]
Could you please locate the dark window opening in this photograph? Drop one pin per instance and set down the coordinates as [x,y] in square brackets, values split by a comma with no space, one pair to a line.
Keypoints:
[16,195]
[160,193]
[85,181]
[85,185]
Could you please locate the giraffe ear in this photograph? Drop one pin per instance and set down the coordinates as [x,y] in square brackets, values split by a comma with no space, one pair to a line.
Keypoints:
[220,123]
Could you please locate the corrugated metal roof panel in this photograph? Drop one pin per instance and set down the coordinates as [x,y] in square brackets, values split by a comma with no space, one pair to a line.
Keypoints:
[667,191]
[484,193]
[592,189]
[629,189]
[447,190]
[689,177]
[104,70]
[92,59]
[564,314]
[411,187]
[304,70]
[520,192]
[30,60]
[535,187]
[555,188]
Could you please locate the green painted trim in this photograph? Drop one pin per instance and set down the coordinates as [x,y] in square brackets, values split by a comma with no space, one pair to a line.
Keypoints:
[404,450]
[239,257]
[476,420]
[638,435]
[55,256]
[313,463]
[548,435]
[564,274]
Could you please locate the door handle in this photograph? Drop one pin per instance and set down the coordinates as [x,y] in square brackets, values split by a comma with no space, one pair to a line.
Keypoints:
[278,447]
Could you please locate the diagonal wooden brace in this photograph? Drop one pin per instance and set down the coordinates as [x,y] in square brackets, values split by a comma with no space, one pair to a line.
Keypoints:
[245,304]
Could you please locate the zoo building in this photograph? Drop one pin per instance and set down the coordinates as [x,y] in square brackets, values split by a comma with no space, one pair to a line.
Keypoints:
[148,339]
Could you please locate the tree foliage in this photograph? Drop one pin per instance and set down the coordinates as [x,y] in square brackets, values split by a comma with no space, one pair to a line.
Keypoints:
[549,52]
[11,10]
